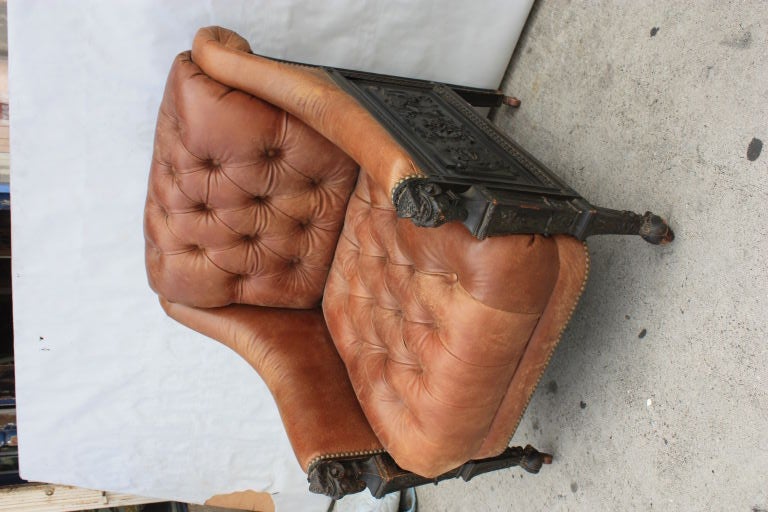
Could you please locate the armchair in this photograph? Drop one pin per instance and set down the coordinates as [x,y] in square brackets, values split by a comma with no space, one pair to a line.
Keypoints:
[286,220]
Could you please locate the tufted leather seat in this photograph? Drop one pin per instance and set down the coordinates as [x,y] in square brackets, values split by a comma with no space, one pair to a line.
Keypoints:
[430,342]
[433,325]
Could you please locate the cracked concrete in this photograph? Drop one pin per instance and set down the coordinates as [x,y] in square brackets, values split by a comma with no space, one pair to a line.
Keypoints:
[656,398]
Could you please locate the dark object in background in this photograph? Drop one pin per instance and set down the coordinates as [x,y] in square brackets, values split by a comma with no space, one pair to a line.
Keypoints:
[754,149]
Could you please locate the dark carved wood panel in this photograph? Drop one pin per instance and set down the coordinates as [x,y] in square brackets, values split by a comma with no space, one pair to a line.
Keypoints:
[477,175]
[432,124]
[381,475]
[453,146]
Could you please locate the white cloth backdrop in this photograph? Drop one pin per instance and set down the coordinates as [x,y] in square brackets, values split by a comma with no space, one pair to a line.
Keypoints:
[112,394]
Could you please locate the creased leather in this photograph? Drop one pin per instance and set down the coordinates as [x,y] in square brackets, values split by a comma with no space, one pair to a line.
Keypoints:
[574,264]
[310,95]
[245,202]
[293,352]
[432,325]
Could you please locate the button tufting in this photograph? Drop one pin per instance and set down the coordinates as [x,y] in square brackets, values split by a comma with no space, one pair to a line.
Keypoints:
[220,193]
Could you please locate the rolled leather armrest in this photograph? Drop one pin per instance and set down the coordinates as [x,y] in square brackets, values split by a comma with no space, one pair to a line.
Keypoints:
[311,95]
[294,355]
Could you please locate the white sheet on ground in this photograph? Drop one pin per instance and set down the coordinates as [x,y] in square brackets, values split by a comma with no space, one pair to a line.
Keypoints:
[112,394]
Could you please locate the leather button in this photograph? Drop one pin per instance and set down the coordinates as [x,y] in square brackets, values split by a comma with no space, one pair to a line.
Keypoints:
[271,153]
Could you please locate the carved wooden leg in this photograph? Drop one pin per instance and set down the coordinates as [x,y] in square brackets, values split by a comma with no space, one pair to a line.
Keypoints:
[604,221]
[338,477]
[498,212]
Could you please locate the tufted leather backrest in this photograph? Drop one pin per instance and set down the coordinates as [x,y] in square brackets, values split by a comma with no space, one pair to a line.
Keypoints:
[245,202]
[432,324]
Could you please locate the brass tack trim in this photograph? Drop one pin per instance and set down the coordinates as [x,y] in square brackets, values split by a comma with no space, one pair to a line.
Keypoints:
[554,346]
[359,453]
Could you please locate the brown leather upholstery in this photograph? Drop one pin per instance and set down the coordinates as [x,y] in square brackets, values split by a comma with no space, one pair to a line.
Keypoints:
[245,202]
[294,354]
[443,337]
[309,94]
[432,325]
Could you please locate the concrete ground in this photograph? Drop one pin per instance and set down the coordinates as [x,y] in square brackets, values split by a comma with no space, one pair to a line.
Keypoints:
[656,398]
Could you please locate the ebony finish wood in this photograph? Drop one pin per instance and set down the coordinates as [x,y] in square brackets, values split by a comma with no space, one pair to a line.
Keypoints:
[381,475]
[479,176]
[475,173]
[475,96]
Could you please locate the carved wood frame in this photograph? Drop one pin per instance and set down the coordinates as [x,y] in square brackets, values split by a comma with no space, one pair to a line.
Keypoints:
[475,173]
[337,477]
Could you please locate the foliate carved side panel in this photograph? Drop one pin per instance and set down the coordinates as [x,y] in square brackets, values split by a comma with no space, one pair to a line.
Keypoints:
[448,138]
[490,131]
[461,153]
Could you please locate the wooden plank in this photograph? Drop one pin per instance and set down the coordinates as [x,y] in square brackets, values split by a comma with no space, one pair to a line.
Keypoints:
[4,138]
[62,498]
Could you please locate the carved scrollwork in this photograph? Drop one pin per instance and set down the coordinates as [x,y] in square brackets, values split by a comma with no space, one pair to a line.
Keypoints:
[335,478]
[436,128]
[452,143]
[426,203]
